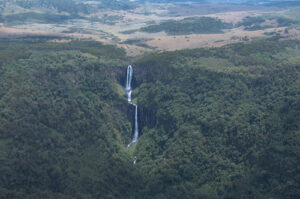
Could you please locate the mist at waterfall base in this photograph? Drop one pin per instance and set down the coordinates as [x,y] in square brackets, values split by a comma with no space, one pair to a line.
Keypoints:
[128,92]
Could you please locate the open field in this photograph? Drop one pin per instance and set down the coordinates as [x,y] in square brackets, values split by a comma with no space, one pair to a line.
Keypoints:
[120,26]
[212,40]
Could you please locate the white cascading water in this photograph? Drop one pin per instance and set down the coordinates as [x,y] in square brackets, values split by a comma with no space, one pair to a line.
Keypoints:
[128,91]
[129,96]
[136,127]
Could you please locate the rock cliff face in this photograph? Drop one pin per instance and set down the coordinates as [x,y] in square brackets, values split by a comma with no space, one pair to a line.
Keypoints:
[120,73]
[147,117]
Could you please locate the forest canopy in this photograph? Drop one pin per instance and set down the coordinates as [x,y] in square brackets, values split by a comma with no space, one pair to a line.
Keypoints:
[214,122]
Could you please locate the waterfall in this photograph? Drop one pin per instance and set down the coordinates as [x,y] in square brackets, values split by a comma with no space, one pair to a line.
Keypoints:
[128,78]
[128,92]
[129,96]
[136,127]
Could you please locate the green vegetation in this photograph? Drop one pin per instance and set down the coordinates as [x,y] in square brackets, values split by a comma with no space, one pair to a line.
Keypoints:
[293,13]
[108,54]
[69,6]
[117,5]
[33,17]
[193,25]
[129,31]
[259,22]
[108,19]
[73,7]
[62,132]
[282,21]
[252,23]
[215,122]
[138,42]
[226,121]
[283,4]
[58,11]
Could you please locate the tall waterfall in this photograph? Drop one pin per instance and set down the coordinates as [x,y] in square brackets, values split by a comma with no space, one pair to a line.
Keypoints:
[128,91]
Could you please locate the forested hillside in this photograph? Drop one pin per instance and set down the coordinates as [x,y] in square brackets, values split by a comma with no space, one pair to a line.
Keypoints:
[224,121]
[62,129]
[214,122]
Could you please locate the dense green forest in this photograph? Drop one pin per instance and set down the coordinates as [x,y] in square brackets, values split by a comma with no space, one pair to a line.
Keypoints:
[191,25]
[62,128]
[224,121]
[214,122]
